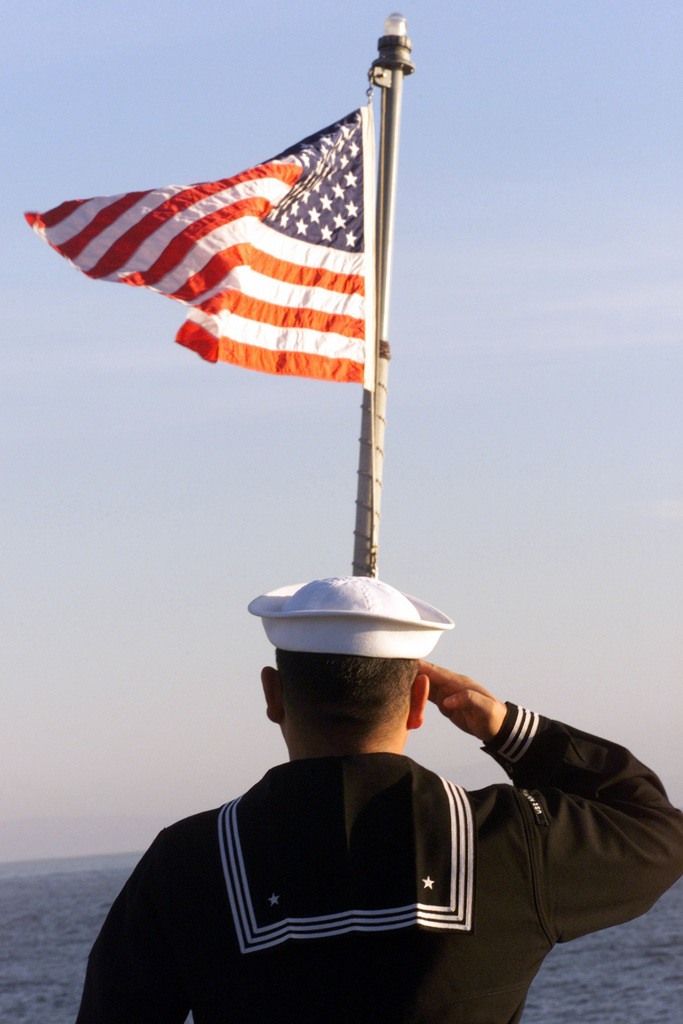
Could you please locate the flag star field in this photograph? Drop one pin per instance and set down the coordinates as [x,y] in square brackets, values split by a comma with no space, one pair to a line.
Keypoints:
[326,205]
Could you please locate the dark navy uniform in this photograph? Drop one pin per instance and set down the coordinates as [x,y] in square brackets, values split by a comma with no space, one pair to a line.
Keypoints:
[365,888]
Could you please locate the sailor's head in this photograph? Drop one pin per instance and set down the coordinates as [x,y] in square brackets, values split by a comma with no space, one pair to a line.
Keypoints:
[347,653]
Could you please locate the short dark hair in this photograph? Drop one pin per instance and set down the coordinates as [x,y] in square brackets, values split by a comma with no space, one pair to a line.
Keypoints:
[346,690]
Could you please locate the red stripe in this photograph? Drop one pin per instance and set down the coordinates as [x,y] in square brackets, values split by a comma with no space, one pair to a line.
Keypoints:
[246,255]
[295,364]
[179,246]
[102,219]
[315,277]
[284,316]
[124,247]
[55,216]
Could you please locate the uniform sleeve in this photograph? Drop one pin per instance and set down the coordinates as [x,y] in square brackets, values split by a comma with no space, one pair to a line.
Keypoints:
[604,840]
[132,977]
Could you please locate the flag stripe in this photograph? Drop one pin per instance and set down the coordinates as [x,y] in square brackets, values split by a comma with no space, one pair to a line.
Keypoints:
[177,249]
[265,240]
[152,248]
[295,250]
[275,337]
[77,243]
[251,357]
[221,269]
[264,312]
[73,227]
[47,220]
[313,277]
[83,212]
[284,293]
[251,195]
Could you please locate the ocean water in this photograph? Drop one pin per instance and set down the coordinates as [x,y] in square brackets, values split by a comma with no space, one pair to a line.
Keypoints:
[51,911]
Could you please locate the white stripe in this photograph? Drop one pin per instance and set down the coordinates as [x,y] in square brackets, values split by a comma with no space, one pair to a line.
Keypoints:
[353,923]
[248,230]
[468,840]
[519,738]
[249,919]
[297,296]
[305,254]
[523,731]
[455,854]
[258,944]
[368,270]
[143,258]
[204,248]
[239,897]
[269,188]
[237,232]
[223,838]
[512,737]
[278,339]
[323,921]
[87,211]
[525,735]
[464,860]
[283,293]
[294,929]
[532,732]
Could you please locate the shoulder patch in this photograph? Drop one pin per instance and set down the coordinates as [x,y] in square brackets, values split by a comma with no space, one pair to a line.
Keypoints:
[539,813]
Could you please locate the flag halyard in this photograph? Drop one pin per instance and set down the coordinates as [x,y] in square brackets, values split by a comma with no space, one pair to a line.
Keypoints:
[275,264]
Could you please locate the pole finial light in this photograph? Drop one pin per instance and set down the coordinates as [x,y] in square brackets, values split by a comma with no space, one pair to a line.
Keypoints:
[395,25]
[394,51]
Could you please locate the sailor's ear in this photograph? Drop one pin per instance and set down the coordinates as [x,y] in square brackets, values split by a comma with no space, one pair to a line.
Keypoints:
[419,695]
[272,689]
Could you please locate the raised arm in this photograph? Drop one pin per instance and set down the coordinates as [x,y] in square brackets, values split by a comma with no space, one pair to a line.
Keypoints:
[467,704]
[604,840]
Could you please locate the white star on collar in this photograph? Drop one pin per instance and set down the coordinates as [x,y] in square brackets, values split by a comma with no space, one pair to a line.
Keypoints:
[428,882]
[274,900]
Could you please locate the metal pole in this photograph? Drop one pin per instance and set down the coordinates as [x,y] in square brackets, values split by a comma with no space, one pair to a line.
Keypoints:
[387,72]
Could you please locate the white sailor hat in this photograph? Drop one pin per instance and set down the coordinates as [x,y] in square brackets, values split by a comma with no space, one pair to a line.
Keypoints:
[350,615]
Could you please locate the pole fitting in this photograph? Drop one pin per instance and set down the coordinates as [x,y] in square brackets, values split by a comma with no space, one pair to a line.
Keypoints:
[394,54]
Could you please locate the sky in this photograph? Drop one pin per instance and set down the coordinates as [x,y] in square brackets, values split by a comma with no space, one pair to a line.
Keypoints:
[533,476]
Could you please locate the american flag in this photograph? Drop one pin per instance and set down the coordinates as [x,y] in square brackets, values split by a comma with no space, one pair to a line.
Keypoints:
[276,263]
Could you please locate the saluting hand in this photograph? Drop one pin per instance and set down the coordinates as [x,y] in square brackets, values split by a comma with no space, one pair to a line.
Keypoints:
[468,705]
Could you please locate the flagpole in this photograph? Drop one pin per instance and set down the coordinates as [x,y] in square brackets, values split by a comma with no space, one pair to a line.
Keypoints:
[387,72]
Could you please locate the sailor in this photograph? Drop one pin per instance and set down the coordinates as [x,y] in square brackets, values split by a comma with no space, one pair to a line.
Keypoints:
[353,885]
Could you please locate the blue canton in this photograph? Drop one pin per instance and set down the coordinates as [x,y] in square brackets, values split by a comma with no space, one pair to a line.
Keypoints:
[325,207]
